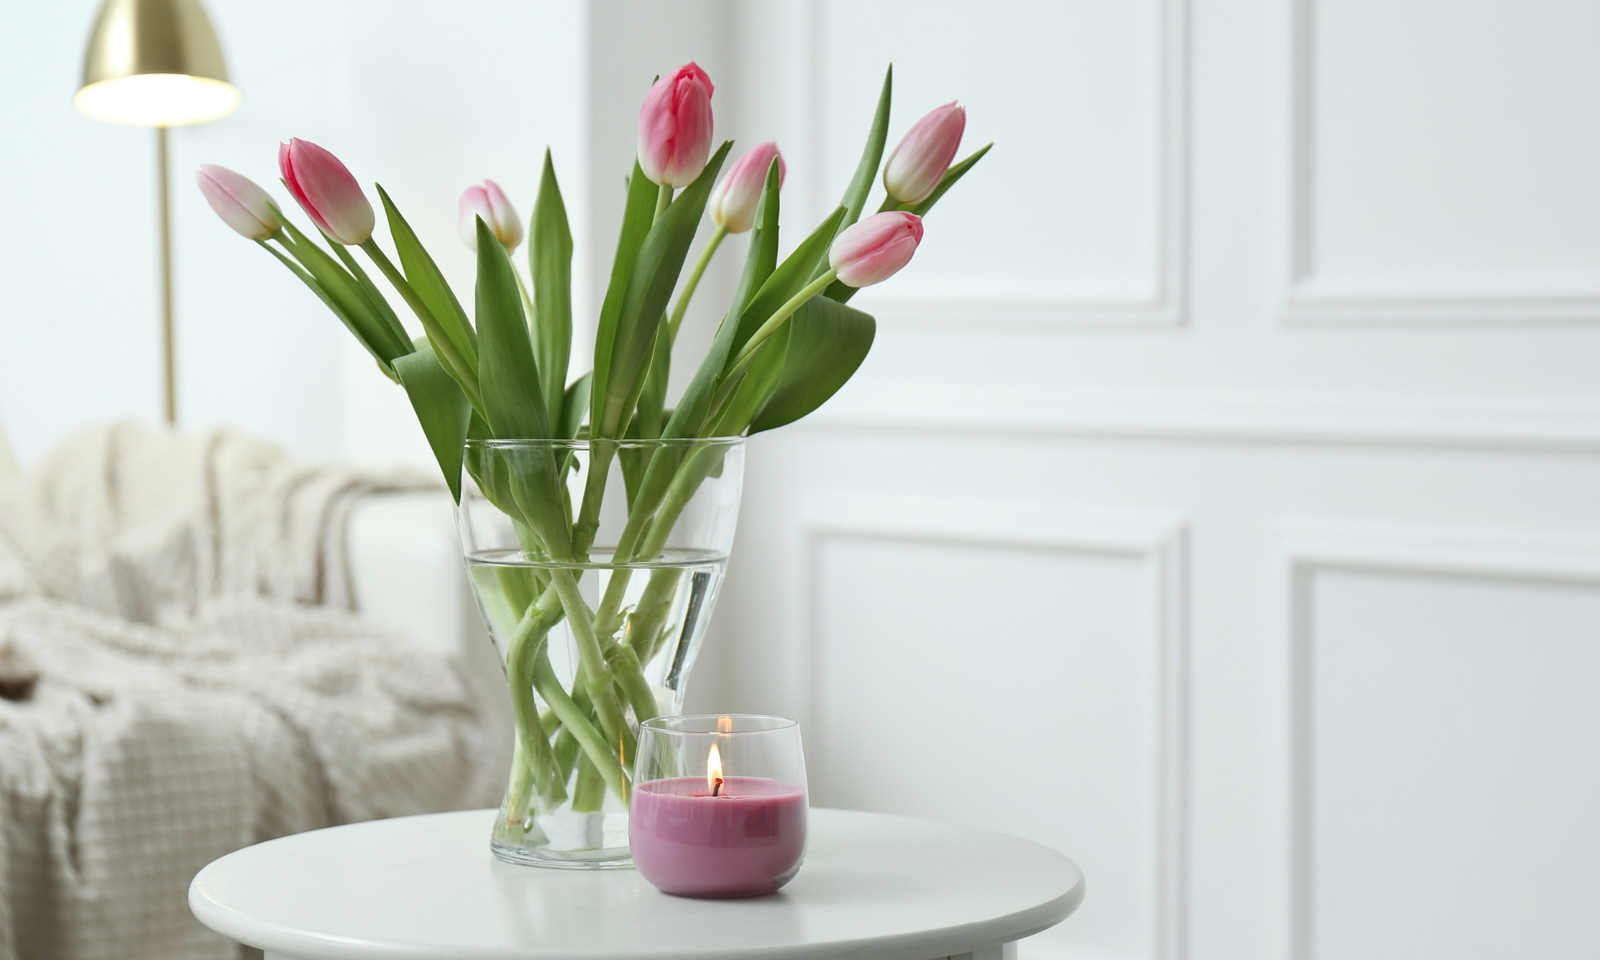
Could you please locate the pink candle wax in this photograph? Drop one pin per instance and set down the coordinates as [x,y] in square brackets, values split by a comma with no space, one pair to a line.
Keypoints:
[746,841]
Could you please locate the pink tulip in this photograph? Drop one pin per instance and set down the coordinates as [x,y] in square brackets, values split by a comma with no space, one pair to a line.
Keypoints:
[237,199]
[734,200]
[675,127]
[490,203]
[327,191]
[919,162]
[875,249]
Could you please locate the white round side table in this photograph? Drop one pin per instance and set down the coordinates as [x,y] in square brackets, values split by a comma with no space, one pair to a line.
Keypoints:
[873,886]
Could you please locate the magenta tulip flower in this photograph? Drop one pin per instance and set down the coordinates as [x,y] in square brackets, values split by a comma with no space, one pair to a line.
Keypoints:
[733,202]
[237,199]
[490,203]
[875,249]
[675,127]
[919,162]
[327,191]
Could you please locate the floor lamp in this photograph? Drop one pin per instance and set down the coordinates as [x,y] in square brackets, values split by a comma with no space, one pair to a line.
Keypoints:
[156,63]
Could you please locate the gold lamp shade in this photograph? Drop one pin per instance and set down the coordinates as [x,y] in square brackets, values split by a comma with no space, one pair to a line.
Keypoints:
[154,63]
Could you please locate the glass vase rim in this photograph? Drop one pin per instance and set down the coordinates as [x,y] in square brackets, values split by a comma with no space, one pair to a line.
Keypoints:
[663,725]
[584,442]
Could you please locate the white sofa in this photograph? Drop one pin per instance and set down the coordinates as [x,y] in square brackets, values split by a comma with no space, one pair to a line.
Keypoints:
[405,563]
[8,462]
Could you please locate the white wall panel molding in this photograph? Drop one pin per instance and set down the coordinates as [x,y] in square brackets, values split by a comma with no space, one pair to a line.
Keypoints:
[1155,540]
[1306,550]
[1165,306]
[1311,304]
[1475,423]
[1468,297]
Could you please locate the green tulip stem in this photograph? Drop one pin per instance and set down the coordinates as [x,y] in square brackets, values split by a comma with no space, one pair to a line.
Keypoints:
[588,523]
[535,764]
[694,280]
[663,197]
[517,791]
[465,368]
[381,306]
[575,719]
[602,690]
[778,317]
[288,244]
[527,300]
[528,668]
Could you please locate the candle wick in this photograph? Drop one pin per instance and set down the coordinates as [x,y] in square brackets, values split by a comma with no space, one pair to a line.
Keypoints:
[718,788]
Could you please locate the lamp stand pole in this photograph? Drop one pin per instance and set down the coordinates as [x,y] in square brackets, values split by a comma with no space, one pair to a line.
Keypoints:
[171,395]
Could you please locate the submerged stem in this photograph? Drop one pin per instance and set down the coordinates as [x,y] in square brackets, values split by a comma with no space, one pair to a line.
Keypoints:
[576,720]
[600,680]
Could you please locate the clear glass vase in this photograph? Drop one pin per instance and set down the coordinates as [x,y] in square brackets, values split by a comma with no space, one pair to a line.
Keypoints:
[596,566]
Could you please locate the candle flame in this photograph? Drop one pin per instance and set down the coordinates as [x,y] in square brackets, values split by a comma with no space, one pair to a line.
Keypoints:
[714,771]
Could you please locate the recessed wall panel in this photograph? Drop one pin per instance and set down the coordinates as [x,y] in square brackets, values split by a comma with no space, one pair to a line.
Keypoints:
[1443,151]
[1069,204]
[1012,688]
[1454,768]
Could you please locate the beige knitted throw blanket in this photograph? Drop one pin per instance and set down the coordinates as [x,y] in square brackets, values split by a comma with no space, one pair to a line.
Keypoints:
[181,675]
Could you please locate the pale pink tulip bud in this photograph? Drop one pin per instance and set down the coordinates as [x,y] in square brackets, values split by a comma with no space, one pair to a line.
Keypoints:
[875,249]
[919,162]
[237,199]
[734,200]
[675,127]
[490,203]
[327,191]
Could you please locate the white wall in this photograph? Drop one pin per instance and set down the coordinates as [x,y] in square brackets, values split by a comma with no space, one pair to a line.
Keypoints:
[1226,472]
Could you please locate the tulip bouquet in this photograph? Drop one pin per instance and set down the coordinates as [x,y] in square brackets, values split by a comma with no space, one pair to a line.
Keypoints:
[787,341]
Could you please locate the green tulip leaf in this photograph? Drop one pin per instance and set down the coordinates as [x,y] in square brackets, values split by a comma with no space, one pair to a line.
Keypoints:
[688,419]
[791,276]
[647,416]
[375,297]
[763,242]
[573,406]
[509,375]
[690,416]
[636,223]
[949,179]
[855,195]
[753,386]
[827,342]
[550,265]
[341,289]
[349,322]
[425,278]
[513,400]
[650,287]
[441,409]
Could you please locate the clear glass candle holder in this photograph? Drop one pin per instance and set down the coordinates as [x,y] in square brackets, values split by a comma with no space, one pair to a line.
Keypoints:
[718,806]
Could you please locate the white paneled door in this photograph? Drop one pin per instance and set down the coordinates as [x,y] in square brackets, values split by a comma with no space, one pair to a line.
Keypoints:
[1221,501]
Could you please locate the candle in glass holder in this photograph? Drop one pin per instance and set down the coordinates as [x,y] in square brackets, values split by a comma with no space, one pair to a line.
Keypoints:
[717,835]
